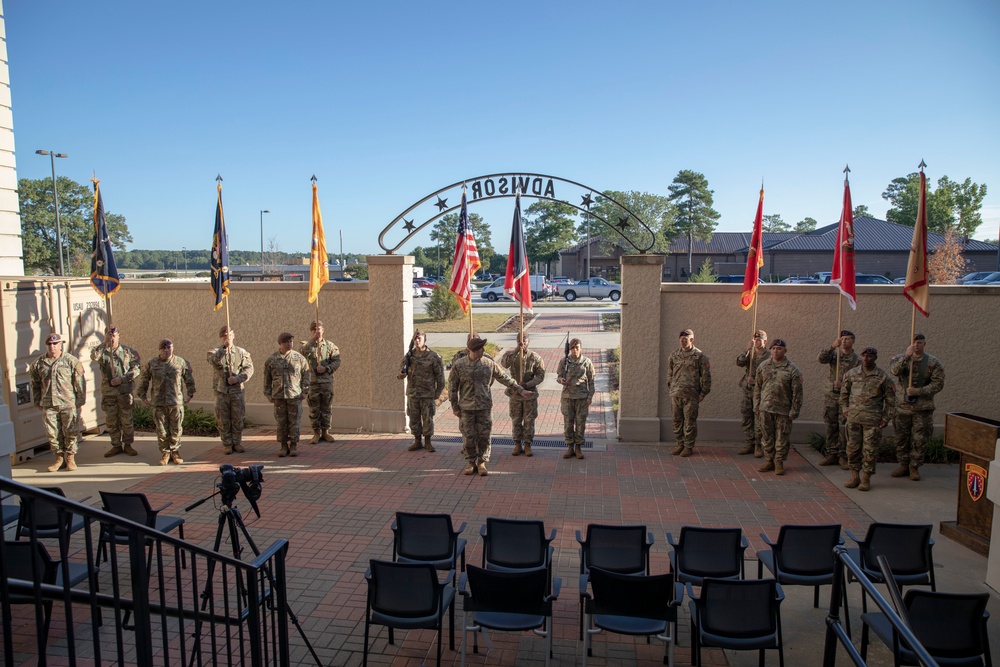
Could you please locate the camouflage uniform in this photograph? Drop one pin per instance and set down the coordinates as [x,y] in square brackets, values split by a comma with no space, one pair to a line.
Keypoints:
[230,400]
[117,402]
[57,387]
[523,411]
[286,379]
[869,399]
[171,384]
[833,416]
[777,397]
[751,425]
[689,379]
[576,394]
[914,422]
[424,383]
[469,391]
[321,353]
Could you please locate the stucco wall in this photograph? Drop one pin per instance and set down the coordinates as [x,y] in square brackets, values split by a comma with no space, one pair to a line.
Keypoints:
[961,332]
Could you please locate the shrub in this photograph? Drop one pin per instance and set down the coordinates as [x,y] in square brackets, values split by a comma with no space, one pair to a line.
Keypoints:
[442,304]
[196,422]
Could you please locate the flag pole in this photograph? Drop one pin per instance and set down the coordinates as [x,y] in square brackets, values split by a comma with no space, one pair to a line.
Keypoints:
[840,307]
[753,332]
[913,332]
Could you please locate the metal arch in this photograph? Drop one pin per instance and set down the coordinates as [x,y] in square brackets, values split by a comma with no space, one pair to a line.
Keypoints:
[443,212]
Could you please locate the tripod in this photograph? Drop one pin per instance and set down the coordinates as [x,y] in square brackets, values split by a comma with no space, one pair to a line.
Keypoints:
[231,519]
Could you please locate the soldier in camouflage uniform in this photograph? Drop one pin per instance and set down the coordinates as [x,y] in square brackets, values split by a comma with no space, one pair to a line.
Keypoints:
[868,401]
[777,399]
[120,367]
[836,424]
[528,370]
[914,422]
[750,358]
[576,374]
[172,384]
[58,390]
[286,382]
[472,402]
[424,372]
[689,379]
[324,360]
[232,368]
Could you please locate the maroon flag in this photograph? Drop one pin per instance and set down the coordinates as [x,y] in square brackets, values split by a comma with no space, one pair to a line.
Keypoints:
[755,257]
[843,254]
[517,282]
[466,260]
[916,288]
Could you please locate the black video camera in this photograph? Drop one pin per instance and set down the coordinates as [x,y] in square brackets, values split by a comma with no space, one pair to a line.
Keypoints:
[249,479]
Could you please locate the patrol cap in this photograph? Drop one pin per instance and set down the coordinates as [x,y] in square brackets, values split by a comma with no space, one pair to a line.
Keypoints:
[687,332]
[225,330]
[779,342]
[166,342]
[53,338]
[315,325]
[919,336]
[870,350]
[113,329]
[285,337]
[476,343]
[845,332]
[760,333]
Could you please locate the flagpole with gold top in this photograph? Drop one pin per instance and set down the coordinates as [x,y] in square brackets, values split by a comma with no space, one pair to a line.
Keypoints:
[319,261]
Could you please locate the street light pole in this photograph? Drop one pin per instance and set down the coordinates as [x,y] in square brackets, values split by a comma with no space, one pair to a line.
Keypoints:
[55,196]
[185,251]
[262,242]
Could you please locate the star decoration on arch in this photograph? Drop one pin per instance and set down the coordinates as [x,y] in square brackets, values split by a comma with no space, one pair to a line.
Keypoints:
[408,225]
[442,204]
[587,201]
[623,223]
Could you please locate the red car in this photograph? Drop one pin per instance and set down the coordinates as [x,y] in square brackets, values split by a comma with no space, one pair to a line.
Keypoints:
[423,282]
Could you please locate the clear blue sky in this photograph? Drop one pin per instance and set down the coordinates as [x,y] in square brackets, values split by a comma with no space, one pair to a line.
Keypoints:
[388,101]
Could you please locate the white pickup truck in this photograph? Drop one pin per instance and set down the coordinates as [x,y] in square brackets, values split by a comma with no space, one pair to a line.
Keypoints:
[597,288]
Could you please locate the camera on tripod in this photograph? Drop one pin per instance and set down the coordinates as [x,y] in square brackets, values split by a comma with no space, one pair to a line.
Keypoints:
[248,479]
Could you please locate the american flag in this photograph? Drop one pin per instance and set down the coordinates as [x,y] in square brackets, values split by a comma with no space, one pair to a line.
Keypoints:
[466,261]
[516,281]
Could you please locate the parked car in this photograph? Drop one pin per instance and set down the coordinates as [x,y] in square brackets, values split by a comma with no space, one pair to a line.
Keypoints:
[561,280]
[539,289]
[822,276]
[800,280]
[900,281]
[597,288]
[975,275]
[419,291]
[865,279]
[424,282]
[991,278]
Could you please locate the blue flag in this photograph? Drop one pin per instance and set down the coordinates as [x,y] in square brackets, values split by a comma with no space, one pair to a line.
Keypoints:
[103,270]
[220,255]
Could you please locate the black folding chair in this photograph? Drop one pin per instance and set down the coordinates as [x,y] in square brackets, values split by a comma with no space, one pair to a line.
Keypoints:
[907,548]
[135,507]
[620,549]
[513,545]
[802,556]
[707,552]
[46,518]
[740,615]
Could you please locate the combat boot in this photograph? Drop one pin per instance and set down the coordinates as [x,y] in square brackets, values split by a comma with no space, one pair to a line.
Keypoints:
[844,465]
[470,469]
[129,449]
[830,460]
[226,449]
[527,450]
[284,451]
[914,473]
[293,449]
[164,458]
[481,469]
[758,452]
[327,435]
[428,447]
[517,449]
[902,471]
[176,458]
[866,481]
[779,467]
[238,448]
[766,466]
[747,449]
[568,454]
[58,463]
[417,445]
[70,462]
[688,451]
[677,450]
[114,451]
[853,482]
[317,436]
[579,452]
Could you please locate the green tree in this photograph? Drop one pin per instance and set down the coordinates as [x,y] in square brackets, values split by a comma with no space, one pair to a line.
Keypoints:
[774,223]
[549,226]
[655,210]
[357,271]
[859,211]
[445,232]
[442,304]
[966,203]
[806,225]
[705,273]
[76,217]
[951,205]
[695,216]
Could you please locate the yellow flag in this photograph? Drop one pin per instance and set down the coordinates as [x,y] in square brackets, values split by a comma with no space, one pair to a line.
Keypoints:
[916,289]
[319,262]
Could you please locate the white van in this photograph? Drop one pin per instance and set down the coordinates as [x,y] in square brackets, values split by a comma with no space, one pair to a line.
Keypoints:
[539,289]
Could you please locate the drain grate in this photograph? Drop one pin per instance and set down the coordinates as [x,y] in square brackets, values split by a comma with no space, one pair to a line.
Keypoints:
[509,442]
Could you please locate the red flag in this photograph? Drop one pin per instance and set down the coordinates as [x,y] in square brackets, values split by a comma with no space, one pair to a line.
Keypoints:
[517,282]
[916,289]
[755,257]
[843,253]
[466,260]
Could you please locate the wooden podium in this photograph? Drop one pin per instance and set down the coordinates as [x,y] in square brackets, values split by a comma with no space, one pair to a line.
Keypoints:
[976,439]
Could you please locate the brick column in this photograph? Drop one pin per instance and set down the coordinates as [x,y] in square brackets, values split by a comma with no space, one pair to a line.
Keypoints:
[639,392]
[390,288]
